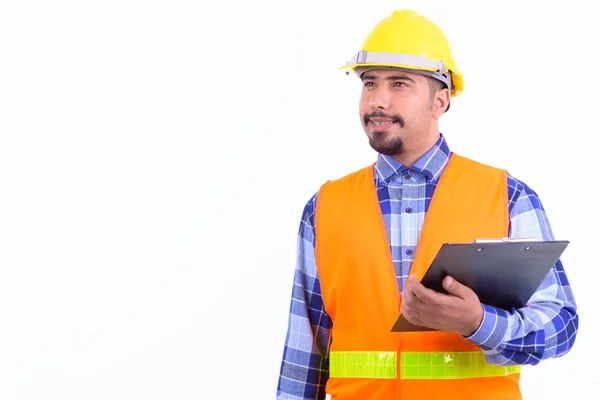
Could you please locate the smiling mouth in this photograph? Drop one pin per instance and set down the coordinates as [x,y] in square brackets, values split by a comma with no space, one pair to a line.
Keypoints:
[382,123]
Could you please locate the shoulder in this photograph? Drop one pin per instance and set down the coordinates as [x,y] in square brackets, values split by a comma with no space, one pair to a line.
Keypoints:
[354,176]
[338,182]
[308,213]
[306,228]
[521,197]
[527,215]
[310,207]
[526,212]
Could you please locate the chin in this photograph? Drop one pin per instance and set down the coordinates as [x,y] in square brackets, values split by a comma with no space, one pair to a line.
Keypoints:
[390,146]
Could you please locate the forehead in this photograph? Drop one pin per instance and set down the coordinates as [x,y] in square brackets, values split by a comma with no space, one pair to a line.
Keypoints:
[390,73]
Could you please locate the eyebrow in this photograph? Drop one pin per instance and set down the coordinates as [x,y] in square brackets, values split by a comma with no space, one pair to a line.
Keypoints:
[390,78]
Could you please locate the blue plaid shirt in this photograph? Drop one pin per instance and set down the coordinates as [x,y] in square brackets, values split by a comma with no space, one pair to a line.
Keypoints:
[546,328]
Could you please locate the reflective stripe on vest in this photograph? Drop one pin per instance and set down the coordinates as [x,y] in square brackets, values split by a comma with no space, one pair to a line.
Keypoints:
[415,365]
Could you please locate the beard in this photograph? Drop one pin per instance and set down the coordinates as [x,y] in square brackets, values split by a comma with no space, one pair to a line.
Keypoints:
[389,146]
[383,141]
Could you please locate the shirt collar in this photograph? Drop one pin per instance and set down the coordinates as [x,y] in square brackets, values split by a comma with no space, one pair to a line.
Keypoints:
[431,164]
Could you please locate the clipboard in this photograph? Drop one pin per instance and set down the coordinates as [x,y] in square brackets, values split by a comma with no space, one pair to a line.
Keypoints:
[504,273]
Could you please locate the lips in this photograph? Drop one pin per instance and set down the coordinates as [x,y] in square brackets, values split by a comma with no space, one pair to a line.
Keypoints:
[382,123]
[381,120]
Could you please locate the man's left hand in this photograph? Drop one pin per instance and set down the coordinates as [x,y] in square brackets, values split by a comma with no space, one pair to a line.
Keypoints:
[460,311]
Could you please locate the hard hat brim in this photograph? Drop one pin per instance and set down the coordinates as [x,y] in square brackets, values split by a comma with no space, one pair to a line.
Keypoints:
[436,69]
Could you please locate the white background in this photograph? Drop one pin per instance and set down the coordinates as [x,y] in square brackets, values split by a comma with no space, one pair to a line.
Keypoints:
[155,157]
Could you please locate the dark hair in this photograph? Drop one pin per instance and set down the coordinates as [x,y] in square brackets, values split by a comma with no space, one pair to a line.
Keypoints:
[436,85]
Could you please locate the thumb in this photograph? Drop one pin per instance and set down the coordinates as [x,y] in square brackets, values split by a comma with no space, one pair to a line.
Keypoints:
[455,288]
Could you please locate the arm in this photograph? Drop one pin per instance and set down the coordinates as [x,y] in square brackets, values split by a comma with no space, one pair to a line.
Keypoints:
[305,363]
[547,326]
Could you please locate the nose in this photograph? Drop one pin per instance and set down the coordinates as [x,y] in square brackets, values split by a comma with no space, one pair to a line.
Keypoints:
[380,99]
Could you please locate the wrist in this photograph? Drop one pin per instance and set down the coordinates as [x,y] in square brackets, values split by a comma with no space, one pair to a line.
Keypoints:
[493,328]
[475,323]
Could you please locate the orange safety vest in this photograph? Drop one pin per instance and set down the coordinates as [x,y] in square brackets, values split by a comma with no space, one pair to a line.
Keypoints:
[361,295]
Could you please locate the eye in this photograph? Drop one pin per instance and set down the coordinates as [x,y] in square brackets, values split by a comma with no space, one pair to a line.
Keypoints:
[368,84]
[400,84]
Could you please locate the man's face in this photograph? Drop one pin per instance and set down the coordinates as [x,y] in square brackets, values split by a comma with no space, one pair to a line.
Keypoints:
[396,110]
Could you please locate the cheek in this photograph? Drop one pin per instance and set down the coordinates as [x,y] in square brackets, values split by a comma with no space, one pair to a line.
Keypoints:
[363,108]
[363,104]
[414,111]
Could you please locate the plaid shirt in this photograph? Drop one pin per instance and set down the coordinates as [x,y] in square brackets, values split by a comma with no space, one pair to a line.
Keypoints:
[546,328]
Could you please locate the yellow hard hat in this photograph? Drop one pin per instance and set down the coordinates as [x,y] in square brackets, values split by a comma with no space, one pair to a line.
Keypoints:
[409,41]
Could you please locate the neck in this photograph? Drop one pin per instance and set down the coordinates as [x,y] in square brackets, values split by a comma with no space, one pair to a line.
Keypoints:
[411,154]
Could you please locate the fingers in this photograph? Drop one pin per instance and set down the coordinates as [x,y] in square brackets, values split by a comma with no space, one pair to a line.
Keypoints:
[425,295]
[456,288]
[412,316]
[419,304]
[412,307]
[410,296]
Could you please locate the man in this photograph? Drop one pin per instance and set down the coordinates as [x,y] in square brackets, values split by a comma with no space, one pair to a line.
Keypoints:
[366,240]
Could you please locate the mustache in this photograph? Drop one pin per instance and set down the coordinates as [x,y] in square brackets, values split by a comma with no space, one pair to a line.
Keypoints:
[396,118]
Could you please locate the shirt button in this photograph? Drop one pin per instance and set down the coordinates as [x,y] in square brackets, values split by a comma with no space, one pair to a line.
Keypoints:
[408,210]
[409,252]
[407,175]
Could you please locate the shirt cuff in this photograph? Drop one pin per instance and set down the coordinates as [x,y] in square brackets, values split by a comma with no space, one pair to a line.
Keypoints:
[493,328]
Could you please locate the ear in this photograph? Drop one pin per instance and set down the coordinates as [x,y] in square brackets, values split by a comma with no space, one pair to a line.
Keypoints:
[441,102]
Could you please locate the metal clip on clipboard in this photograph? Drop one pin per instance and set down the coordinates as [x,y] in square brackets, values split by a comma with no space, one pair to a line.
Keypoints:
[505,240]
